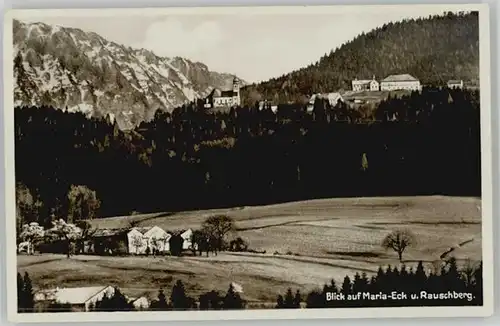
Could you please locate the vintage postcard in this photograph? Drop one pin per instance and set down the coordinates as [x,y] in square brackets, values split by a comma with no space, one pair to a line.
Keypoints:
[248,163]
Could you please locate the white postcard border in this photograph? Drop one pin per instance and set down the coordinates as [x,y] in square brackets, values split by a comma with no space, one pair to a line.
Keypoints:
[406,312]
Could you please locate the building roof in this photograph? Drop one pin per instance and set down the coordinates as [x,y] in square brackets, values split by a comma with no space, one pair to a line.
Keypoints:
[362,81]
[230,93]
[70,295]
[179,232]
[326,96]
[109,232]
[399,78]
[143,229]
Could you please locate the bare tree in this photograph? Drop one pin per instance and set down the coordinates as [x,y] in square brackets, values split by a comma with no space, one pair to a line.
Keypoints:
[218,226]
[137,242]
[154,246]
[399,240]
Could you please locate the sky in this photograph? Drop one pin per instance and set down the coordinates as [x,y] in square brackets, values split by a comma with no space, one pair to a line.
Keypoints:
[254,47]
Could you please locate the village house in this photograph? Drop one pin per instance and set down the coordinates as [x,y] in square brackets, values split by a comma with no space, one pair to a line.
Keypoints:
[400,82]
[267,105]
[365,85]
[108,241]
[187,237]
[455,84]
[140,303]
[332,98]
[227,98]
[140,239]
[80,299]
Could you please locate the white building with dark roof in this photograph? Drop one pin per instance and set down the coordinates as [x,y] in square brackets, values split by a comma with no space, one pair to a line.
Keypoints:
[400,82]
[224,98]
[455,84]
[152,237]
[359,85]
[80,299]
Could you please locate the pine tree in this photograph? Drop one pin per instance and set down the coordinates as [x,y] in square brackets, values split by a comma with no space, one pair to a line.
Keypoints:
[21,296]
[178,297]
[28,295]
[232,300]
[346,286]
[289,299]
[297,300]
[280,303]
[161,303]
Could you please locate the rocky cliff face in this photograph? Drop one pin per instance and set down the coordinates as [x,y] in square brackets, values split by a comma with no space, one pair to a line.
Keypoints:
[79,71]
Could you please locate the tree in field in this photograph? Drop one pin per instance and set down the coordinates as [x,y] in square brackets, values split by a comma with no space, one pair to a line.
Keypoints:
[290,301]
[175,242]
[67,232]
[115,302]
[179,299]
[24,203]
[204,241]
[27,207]
[137,243]
[83,203]
[238,245]
[211,301]
[232,300]
[155,243]
[86,234]
[197,241]
[398,241]
[32,233]
[25,295]
[218,226]
[161,303]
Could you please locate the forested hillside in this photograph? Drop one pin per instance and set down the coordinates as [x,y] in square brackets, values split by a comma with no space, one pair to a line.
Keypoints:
[434,49]
[425,143]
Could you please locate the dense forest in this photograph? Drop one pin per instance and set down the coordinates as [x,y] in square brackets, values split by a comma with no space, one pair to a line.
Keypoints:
[434,50]
[421,144]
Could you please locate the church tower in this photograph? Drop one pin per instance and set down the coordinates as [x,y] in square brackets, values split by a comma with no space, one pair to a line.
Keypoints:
[236,92]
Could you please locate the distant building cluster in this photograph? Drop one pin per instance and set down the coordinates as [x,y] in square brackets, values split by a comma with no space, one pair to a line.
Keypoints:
[365,85]
[133,241]
[396,82]
[224,98]
[390,83]
[332,98]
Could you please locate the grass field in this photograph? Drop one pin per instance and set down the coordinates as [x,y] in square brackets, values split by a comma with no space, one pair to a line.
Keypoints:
[307,244]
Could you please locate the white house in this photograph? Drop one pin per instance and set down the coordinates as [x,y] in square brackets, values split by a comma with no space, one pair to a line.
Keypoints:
[141,303]
[80,299]
[154,237]
[157,238]
[333,99]
[400,82]
[137,243]
[455,84]
[359,85]
[187,236]
[226,98]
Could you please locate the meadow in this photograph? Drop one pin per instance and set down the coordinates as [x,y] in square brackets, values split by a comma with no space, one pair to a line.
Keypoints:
[306,244]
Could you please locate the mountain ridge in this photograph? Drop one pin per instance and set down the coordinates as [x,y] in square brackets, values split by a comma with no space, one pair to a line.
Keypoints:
[81,71]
